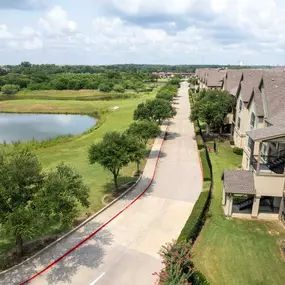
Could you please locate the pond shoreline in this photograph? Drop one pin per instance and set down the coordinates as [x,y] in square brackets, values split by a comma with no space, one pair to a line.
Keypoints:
[97,116]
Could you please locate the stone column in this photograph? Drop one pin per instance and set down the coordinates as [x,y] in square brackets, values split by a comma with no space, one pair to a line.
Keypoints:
[255,207]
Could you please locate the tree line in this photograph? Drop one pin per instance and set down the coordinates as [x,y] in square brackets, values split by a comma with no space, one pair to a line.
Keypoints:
[106,82]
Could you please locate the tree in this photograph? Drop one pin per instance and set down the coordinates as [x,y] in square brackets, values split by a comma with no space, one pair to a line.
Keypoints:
[143,130]
[119,88]
[114,152]
[10,89]
[155,110]
[104,87]
[32,200]
[211,107]
[136,151]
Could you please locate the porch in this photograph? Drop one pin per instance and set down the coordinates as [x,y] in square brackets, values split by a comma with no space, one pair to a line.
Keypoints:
[266,148]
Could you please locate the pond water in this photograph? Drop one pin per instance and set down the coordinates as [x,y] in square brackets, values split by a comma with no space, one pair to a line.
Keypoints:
[25,127]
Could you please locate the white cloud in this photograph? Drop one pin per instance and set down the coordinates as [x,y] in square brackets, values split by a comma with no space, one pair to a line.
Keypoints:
[57,22]
[34,44]
[29,32]
[4,33]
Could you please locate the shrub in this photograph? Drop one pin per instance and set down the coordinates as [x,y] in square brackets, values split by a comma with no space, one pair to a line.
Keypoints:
[119,88]
[196,220]
[238,150]
[104,87]
[10,89]
[206,168]
[179,268]
[166,96]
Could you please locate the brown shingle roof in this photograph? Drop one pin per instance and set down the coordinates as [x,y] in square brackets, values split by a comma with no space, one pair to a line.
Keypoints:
[232,81]
[266,133]
[215,78]
[250,78]
[257,98]
[274,90]
[239,182]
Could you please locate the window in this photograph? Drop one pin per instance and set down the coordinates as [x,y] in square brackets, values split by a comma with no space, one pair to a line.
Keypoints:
[238,123]
[240,105]
[252,120]
[250,143]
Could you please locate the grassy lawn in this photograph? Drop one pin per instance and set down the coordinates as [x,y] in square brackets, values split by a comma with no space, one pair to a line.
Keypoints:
[233,251]
[74,152]
[72,94]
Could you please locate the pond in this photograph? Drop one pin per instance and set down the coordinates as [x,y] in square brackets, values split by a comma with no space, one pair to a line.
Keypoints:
[25,127]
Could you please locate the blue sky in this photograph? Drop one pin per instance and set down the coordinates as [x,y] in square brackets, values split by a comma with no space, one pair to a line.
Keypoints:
[142,31]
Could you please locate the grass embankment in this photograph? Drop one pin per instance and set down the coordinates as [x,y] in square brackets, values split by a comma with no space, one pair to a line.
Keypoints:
[234,251]
[83,95]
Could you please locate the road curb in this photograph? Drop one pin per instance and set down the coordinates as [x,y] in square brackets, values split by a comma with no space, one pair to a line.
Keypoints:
[162,137]
[72,231]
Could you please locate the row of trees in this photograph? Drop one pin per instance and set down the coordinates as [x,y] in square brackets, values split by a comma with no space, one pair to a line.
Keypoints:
[117,150]
[111,81]
[212,107]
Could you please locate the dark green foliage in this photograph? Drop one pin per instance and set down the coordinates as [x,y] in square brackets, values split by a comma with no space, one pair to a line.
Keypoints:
[238,151]
[206,168]
[155,110]
[116,151]
[143,130]
[196,220]
[211,107]
[32,201]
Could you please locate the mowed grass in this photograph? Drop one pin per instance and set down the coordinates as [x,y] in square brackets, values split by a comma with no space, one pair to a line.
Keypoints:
[233,251]
[72,94]
[75,152]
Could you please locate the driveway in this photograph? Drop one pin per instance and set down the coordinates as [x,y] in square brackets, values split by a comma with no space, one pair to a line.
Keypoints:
[125,252]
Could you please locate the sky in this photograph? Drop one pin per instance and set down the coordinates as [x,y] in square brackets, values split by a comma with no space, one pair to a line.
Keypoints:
[142,31]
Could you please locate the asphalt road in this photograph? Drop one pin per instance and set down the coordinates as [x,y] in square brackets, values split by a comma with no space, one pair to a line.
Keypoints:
[125,252]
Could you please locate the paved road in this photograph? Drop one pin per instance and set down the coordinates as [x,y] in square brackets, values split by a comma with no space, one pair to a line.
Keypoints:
[125,251]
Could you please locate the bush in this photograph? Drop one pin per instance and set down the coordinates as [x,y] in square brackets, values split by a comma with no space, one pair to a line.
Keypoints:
[196,220]
[119,88]
[206,168]
[238,150]
[179,268]
[104,87]
[166,96]
[10,89]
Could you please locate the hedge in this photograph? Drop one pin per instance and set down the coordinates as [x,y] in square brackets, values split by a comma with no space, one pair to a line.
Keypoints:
[195,221]
[197,218]
[206,168]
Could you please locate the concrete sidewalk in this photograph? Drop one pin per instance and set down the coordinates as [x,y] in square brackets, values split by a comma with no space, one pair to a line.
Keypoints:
[125,251]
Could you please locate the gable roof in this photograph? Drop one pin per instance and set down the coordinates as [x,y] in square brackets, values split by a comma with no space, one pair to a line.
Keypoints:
[215,77]
[239,182]
[256,97]
[274,90]
[233,80]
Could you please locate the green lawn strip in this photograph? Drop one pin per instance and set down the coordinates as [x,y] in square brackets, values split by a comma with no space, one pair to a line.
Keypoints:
[233,251]
[74,152]
[74,95]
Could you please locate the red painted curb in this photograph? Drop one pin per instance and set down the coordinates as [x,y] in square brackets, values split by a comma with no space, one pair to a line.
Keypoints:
[101,227]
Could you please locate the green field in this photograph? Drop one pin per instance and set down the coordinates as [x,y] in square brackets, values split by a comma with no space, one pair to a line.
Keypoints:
[233,251]
[74,152]
[82,95]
